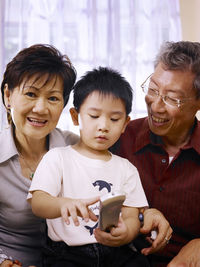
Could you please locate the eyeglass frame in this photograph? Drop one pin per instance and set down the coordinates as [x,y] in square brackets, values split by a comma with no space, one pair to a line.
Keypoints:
[179,101]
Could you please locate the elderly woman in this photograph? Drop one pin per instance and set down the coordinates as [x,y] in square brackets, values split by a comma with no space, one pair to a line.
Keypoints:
[35,89]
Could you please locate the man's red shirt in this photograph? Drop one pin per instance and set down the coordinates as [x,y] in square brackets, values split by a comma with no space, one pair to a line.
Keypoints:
[173,188]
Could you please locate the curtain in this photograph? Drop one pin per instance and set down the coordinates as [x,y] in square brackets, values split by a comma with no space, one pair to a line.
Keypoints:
[123,34]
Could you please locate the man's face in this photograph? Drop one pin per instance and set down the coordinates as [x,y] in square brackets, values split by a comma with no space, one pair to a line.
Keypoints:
[168,121]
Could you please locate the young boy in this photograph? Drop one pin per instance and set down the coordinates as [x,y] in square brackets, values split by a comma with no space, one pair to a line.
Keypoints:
[69,180]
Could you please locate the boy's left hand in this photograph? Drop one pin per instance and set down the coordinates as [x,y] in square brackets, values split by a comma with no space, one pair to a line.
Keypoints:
[116,237]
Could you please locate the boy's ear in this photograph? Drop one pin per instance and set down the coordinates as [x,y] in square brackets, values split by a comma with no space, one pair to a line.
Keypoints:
[126,123]
[6,95]
[74,116]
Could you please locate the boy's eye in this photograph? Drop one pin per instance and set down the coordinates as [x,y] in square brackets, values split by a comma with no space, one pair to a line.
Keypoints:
[94,116]
[113,119]
[30,94]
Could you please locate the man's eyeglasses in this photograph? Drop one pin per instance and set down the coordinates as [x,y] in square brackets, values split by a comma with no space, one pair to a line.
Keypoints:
[154,93]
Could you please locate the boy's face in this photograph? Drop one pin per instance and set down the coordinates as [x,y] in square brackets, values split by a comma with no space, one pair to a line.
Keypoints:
[102,119]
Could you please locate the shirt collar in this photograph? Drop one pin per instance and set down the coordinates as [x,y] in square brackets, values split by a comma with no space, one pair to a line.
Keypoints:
[143,137]
[7,144]
[194,141]
[8,147]
[146,137]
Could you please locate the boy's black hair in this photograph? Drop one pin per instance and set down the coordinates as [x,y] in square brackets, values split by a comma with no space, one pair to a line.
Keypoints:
[106,81]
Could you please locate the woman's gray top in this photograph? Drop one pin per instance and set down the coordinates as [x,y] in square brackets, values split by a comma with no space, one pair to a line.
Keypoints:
[22,234]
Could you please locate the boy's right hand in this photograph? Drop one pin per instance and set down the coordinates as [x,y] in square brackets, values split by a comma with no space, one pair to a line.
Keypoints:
[78,207]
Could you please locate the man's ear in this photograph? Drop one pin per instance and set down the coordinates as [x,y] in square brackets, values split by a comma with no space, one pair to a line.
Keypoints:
[74,116]
[6,95]
[126,123]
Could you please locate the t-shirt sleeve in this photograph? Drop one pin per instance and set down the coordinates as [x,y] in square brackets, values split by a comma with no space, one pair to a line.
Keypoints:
[135,195]
[48,175]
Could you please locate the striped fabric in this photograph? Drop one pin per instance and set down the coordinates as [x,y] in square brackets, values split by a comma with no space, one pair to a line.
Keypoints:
[173,188]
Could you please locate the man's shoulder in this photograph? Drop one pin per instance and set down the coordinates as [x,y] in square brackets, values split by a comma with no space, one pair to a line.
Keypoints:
[137,122]
[136,126]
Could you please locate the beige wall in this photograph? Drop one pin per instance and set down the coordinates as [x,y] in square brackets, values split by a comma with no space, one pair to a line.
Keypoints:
[190,20]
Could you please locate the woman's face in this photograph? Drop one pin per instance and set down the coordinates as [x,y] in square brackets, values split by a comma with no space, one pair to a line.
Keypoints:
[35,106]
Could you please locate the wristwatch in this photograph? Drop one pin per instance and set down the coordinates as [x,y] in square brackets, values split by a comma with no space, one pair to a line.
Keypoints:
[141,215]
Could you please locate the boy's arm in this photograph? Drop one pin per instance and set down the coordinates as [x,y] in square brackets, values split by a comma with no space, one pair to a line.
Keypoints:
[127,229]
[46,206]
[130,217]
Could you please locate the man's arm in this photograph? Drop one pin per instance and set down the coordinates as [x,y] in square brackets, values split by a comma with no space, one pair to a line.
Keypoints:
[188,256]
[155,220]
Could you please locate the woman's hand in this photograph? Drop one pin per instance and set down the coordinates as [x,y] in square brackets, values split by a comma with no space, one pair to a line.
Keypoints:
[155,220]
[9,263]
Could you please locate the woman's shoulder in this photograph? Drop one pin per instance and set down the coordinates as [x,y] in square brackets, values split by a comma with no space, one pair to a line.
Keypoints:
[60,137]
[6,137]
[7,145]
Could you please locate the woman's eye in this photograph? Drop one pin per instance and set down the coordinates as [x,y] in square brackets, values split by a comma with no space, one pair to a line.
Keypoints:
[53,98]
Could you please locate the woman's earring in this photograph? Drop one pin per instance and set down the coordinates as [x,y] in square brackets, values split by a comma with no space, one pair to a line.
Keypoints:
[8,106]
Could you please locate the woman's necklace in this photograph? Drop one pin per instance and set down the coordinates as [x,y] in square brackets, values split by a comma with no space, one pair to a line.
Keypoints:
[31,171]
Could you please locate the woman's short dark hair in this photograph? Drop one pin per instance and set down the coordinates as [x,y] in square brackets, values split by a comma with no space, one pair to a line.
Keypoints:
[38,60]
[106,81]
[183,56]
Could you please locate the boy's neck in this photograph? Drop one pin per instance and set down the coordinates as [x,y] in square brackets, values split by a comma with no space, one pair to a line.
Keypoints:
[104,155]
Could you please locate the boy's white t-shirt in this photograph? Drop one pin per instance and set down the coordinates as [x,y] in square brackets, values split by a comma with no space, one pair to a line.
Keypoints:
[63,172]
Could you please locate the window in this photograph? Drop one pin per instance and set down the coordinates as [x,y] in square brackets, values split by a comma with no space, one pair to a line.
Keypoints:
[123,34]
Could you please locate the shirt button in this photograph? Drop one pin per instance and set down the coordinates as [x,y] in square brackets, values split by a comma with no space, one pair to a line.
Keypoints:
[161,188]
[164,161]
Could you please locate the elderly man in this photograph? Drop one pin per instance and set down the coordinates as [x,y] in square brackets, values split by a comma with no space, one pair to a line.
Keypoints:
[165,148]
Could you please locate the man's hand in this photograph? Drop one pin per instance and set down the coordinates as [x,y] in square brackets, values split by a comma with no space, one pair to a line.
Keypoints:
[155,220]
[188,256]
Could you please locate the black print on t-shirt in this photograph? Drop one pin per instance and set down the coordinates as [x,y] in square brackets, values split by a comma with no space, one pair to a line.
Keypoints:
[91,229]
[103,184]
